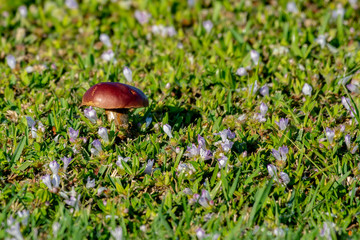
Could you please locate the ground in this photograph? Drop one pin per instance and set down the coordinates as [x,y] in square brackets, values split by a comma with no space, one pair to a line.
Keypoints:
[251,130]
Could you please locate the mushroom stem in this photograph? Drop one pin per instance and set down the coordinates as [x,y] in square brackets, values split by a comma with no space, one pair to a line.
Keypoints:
[119,116]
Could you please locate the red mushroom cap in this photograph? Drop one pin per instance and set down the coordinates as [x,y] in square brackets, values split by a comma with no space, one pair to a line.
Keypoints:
[109,95]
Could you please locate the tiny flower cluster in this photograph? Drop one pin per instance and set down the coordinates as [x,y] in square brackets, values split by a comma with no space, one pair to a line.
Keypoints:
[199,151]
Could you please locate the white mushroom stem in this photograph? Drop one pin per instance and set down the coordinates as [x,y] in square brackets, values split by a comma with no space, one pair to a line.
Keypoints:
[119,116]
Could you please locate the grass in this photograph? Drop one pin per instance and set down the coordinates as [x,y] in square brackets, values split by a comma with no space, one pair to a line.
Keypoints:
[191,82]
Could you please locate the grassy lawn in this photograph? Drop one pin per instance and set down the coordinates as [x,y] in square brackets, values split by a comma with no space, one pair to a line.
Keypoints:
[251,131]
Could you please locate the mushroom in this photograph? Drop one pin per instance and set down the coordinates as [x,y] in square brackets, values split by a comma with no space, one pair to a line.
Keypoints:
[116,99]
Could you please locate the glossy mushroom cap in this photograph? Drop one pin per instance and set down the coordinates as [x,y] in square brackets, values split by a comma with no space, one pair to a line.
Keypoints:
[109,95]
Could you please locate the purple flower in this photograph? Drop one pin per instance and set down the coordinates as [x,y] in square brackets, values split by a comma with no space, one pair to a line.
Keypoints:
[55,181]
[346,103]
[105,39]
[72,4]
[227,145]
[66,162]
[31,123]
[348,141]
[208,25]
[97,144]
[284,178]
[90,113]
[330,134]
[127,73]
[205,154]
[352,88]
[201,142]
[120,160]
[170,30]
[117,233]
[226,134]
[52,183]
[142,16]
[90,183]
[321,40]
[47,181]
[14,231]
[291,7]
[188,169]
[200,233]
[264,90]
[272,170]
[252,88]
[100,190]
[280,155]
[149,166]
[283,123]
[222,160]
[23,11]
[24,216]
[54,166]
[192,151]
[338,12]
[73,134]
[108,56]
[255,56]
[260,118]
[205,199]
[354,149]
[11,61]
[326,230]
[241,72]
[263,109]
[103,134]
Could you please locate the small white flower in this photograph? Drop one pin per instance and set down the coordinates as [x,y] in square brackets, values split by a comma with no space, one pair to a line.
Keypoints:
[24,216]
[338,12]
[241,72]
[105,39]
[321,40]
[29,69]
[108,55]
[14,230]
[117,233]
[167,130]
[208,25]
[101,190]
[291,7]
[307,89]
[55,228]
[23,11]
[255,56]
[127,73]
